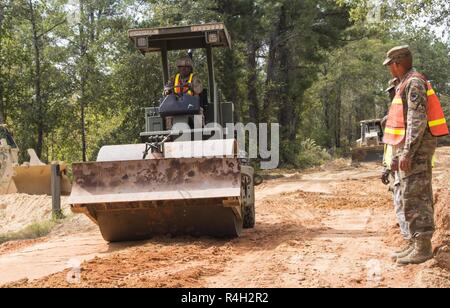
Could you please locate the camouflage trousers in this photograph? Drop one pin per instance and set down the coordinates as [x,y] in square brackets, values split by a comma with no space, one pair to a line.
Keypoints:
[417,194]
[398,206]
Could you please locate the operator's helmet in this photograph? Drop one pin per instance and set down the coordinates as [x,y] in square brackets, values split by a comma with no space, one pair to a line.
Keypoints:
[185,62]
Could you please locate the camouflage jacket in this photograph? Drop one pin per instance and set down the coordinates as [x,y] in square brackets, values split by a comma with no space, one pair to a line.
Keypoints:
[415,111]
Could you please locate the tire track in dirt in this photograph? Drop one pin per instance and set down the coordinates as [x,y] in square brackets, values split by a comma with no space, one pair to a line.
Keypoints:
[319,254]
[52,256]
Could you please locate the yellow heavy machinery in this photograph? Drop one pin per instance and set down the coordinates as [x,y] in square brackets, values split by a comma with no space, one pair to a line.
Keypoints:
[174,182]
[370,146]
[33,177]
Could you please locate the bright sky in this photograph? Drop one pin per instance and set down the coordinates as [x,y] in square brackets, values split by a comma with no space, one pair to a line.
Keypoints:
[441,31]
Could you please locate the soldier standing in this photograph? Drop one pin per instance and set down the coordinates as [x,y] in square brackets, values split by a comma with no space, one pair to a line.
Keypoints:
[415,120]
[392,178]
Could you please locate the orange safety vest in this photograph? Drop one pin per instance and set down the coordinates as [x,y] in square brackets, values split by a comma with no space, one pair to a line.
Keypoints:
[395,131]
[183,89]
[436,118]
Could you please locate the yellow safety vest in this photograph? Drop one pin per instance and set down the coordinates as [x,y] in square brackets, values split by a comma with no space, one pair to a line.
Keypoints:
[183,89]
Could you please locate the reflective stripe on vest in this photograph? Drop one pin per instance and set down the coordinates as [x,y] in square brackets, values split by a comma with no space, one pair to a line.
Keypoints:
[395,130]
[178,86]
[436,118]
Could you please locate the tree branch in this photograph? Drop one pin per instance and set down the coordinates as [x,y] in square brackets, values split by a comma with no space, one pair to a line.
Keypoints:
[52,28]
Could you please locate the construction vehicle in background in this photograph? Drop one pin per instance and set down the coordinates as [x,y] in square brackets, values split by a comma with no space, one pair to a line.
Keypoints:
[186,178]
[370,146]
[33,177]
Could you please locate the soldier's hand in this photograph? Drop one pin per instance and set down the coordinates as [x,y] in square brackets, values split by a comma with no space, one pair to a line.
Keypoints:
[167,91]
[405,164]
[385,177]
[394,165]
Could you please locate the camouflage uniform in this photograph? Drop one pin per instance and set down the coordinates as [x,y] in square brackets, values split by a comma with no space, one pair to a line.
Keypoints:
[419,146]
[394,175]
[417,151]
[399,207]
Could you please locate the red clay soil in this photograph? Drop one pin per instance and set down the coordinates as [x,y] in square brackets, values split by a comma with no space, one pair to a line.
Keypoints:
[17,245]
[327,228]
[441,240]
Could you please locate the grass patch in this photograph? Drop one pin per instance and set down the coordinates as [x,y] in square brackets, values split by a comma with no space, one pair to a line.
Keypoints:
[35,230]
[311,155]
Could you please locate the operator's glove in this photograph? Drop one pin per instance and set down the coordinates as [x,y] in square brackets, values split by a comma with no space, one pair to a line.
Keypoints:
[385,177]
[167,90]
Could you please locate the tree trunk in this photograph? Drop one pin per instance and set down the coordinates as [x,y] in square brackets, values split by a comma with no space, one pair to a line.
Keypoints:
[83,121]
[91,24]
[286,103]
[328,123]
[252,92]
[231,88]
[270,91]
[83,80]
[2,16]
[328,118]
[2,102]
[350,130]
[337,126]
[37,80]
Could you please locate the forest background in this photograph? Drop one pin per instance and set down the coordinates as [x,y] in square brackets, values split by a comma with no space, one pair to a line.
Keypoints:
[71,81]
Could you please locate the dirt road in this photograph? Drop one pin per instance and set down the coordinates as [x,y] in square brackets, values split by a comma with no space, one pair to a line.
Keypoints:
[324,228]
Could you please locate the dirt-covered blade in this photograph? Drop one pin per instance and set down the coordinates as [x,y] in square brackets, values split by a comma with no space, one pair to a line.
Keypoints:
[368,154]
[155,180]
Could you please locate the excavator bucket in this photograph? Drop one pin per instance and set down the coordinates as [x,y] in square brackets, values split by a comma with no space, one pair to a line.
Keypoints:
[36,180]
[34,177]
[139,199]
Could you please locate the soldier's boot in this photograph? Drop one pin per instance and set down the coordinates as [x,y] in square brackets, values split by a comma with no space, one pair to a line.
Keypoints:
[421,253]
[403,252]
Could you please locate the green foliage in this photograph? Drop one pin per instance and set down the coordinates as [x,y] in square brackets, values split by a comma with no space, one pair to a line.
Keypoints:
[313,66]
[303,154]
[311,154]
[33,231]
[349,90]
[351,84]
